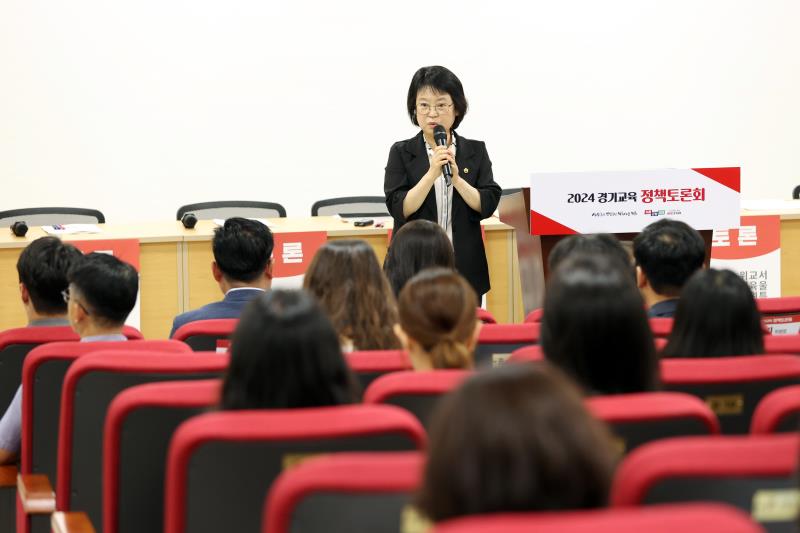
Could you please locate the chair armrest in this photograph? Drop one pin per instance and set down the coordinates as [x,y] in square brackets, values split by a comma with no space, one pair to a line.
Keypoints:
[36,494]
[8,476]
[71,523]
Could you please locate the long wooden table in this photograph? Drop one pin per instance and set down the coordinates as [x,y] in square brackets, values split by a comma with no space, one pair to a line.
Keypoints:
[175,265]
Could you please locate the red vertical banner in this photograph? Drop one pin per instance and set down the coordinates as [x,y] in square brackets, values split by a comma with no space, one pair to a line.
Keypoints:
[292,256]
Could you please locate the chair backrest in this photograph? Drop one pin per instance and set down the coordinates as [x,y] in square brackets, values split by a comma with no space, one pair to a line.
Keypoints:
[527,354]
[351,207]
[535,315]
[47,216]
[778,412]
[781,316]
[205,335]
[221,465]
[778,344]
[15,344]
[686,518]
[90,385]
[42,380]
[138,428]
[416,392]
[485,316]
[731,386]
[497,341]
[355,491]
[661,326]
[639,418]
[753,473]
[368,365]
[233,208]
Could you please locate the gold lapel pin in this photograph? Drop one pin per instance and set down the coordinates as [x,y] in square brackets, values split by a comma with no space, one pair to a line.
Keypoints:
[466,171]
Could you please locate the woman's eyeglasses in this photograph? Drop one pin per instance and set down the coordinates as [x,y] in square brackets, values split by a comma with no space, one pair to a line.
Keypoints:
[425,109]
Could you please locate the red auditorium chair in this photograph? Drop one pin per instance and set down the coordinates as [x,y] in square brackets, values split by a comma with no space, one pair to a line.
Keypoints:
[496,341]
[42,378]
[535,315]
[416,392]
[527,354]
[91,383]
[775,309]
[753,473]
[661,326]
[356,492]
[207,335]
[731,386]
[485,316]
[780,344]
[221,465]
[138,428]
[368,365]
[639,418]
[688,518]
[778,412]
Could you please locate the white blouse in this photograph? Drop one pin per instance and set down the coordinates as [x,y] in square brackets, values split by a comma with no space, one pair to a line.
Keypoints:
[441,191]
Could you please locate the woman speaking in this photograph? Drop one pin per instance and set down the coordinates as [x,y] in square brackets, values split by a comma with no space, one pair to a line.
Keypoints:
[443,177]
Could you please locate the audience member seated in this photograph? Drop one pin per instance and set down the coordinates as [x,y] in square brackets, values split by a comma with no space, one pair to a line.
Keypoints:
[599,243]
[242,267]
[285,354]
[438,324]
[418,245]
[667,253]
[595,327]
[42,267]
[716,317]
[347,281]
[516,438]
[100,295]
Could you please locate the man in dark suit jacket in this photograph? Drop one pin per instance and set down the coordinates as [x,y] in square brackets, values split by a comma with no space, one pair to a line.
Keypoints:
[242,267]
[667,253]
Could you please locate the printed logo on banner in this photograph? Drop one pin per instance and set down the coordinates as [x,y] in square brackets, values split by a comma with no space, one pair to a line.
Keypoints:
[623,202]
[292,254]
[753,250]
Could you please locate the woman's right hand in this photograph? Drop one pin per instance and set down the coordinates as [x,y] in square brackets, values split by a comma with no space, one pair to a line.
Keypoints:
[441,156]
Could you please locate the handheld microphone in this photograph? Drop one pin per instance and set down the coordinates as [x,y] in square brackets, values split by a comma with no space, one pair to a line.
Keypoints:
[440,138]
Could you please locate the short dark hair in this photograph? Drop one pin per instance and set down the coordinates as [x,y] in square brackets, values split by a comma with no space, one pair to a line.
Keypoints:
[716,316]
[516,438]
[285,354]
[418,245]
[42,267]
[595,327]
[599,243]
[347,281]
[107,286]
[242,248]
[440,80]
[669,252]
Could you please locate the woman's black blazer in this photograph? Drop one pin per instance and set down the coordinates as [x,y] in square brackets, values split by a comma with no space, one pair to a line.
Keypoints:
[408,162]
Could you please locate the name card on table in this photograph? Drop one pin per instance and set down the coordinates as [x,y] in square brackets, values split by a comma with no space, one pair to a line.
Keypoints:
[627,201]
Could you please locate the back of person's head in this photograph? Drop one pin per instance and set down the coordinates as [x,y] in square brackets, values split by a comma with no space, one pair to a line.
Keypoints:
[595,327]
[516,438]
[347,281]
[418,245]
[42,267]
[668,253]
[438,311]
[285,354]
[595,244]
[242,249]
[716,316]
[105,286]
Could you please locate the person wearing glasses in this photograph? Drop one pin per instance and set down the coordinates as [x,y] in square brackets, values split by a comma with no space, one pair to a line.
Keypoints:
[100,296]
[415,185]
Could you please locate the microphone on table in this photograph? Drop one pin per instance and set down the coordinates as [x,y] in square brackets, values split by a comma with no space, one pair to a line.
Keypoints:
[440,138]
[19,228]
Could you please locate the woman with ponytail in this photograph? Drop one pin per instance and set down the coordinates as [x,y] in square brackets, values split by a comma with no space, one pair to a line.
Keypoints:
[438,320]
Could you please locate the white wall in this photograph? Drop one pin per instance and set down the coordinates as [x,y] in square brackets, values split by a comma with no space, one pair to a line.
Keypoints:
[138,107]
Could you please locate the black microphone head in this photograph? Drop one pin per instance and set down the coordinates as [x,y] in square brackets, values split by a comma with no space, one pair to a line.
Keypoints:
[19,228]
[189,220]
[440,135]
